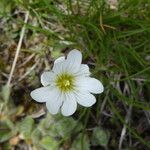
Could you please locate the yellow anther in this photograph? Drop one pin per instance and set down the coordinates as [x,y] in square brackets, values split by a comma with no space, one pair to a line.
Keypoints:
[67,83]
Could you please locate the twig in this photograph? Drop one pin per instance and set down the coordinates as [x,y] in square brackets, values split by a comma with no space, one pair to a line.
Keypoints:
[139,79]
[28,72]
[27,60]
[103,105]
[104,102]
[101,25]
[123,133]
[18,49]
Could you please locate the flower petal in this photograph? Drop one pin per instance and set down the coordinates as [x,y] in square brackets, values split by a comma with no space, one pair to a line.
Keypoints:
[74,60]
[55,102]
[41,94]
[47,78]
[85,99]
[60,65]
[69,106]
[90,84]
[83,71]
[60,59]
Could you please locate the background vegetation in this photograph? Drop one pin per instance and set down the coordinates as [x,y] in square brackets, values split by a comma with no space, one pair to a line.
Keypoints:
[114,37]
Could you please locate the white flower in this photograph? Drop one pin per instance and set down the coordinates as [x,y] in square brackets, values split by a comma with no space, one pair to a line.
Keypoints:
[67,84]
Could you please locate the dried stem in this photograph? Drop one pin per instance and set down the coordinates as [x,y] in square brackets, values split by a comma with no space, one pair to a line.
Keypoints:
[18,49]
[123,133]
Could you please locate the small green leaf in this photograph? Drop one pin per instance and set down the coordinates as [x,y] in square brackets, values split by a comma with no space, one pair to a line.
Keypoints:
[81,143]
[64,127]
[36,135]
[49,143]
[6,146]
[7,130]
[46,124]
[5,93]
[10,124]
[56,53]
[5,6]
[5,135]
[26,127]
[100,137]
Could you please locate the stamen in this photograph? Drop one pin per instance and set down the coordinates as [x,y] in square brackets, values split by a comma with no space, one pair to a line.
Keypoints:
[65,82]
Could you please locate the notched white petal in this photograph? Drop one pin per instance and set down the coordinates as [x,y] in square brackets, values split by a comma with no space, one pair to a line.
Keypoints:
[41,94]
[85,99]
[69,105]
[90,84]
[59,67]
[74,60]
[60,59]
[83,71]
[47,78]
[54,103]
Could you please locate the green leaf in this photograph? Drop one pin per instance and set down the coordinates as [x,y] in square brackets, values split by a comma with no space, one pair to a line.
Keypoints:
[56,53]
[6,146]
[5,93]
[49,143]
[5,135]
[81,143]
[7,130]
[64,127]
[10,124]
[5,6]
[36,135]
[100,137]
[46,124]
[26,127]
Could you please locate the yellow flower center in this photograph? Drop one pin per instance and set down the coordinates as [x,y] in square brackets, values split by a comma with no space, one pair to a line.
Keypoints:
[65,82]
